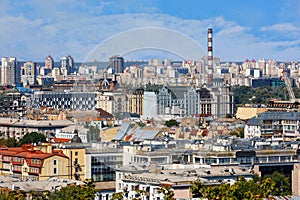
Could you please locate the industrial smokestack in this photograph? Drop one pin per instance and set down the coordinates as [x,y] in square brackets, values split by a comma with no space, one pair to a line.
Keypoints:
[209,55]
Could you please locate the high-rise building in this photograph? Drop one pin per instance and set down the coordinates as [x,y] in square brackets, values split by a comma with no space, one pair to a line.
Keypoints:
[49,63]
[67,64]
[262,65]
[70,62]
[10,71]
[117,64]
[28,73]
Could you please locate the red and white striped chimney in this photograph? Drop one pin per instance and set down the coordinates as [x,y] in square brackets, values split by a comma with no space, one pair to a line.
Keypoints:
[209,55]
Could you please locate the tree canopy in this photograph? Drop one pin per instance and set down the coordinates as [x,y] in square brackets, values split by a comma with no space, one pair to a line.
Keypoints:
[70,192]
[171,122]
[282,183]
[74,192]
[32,137]
[275,184]
[93,133]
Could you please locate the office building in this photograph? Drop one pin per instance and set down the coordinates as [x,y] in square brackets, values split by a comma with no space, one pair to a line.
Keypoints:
[65,100]
[28,73]
[117,64]
[67,65]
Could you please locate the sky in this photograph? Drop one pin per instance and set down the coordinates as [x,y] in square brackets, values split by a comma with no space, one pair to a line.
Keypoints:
[242,29]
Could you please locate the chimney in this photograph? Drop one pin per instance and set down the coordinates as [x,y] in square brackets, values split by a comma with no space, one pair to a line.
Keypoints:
[209,55]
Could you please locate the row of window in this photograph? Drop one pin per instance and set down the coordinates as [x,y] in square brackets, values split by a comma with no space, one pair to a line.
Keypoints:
[245,160]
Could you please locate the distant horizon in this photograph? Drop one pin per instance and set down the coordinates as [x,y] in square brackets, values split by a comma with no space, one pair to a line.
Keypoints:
[142,61]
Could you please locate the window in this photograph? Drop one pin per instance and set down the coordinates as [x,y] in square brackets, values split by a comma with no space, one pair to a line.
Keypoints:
[54,170]
[54,162]
[76,153]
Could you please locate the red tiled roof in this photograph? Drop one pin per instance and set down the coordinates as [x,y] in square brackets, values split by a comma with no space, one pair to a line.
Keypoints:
[7,152]
[61,140]
[29,154]
[204,132]
[104,114]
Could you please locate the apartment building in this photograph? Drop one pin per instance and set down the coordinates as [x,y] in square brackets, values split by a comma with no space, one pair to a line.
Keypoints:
[277,124]
[30,163]
[147,182]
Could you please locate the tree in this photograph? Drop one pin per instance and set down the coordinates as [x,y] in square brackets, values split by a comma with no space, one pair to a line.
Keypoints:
[141,124]
[238,132]
[168,192]
[275,184]
[74,192]
[171,122]
[261,95]
[32,137]
[93,133]
[197,189]
[282,184]
[117,196]
[11,142]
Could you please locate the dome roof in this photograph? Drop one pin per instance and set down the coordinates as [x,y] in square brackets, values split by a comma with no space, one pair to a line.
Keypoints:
[76,138]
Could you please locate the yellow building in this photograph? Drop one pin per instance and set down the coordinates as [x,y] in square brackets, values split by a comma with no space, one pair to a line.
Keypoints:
[136,100]
[248,112]
[28,163]
[43,162]
[76,163]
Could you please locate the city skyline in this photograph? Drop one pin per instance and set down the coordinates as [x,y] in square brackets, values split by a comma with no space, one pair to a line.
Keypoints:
[31,30]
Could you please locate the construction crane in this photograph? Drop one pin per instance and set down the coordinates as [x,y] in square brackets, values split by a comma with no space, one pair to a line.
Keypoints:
[289,86]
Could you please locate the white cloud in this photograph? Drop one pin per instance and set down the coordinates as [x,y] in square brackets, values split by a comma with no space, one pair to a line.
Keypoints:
[282,27]
[62,33]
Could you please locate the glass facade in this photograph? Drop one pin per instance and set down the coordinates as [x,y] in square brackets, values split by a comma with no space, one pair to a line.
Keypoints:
[103,168]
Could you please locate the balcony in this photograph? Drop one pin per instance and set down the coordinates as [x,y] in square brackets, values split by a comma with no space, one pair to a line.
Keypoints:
[33,173]
[18,163]
[17,171]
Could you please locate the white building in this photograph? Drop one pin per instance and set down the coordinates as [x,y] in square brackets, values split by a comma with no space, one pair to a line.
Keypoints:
[150,104]
[10,71]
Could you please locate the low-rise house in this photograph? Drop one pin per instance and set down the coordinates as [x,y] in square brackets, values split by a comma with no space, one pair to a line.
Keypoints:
[17,128]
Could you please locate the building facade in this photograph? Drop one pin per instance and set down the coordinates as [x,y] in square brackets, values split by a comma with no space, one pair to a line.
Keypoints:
[135,101]
[28,73]
[113,102]
[49,62]
[102,162]
[117,64]
[281,125]
[65,100]
[31,163]
[10,71]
